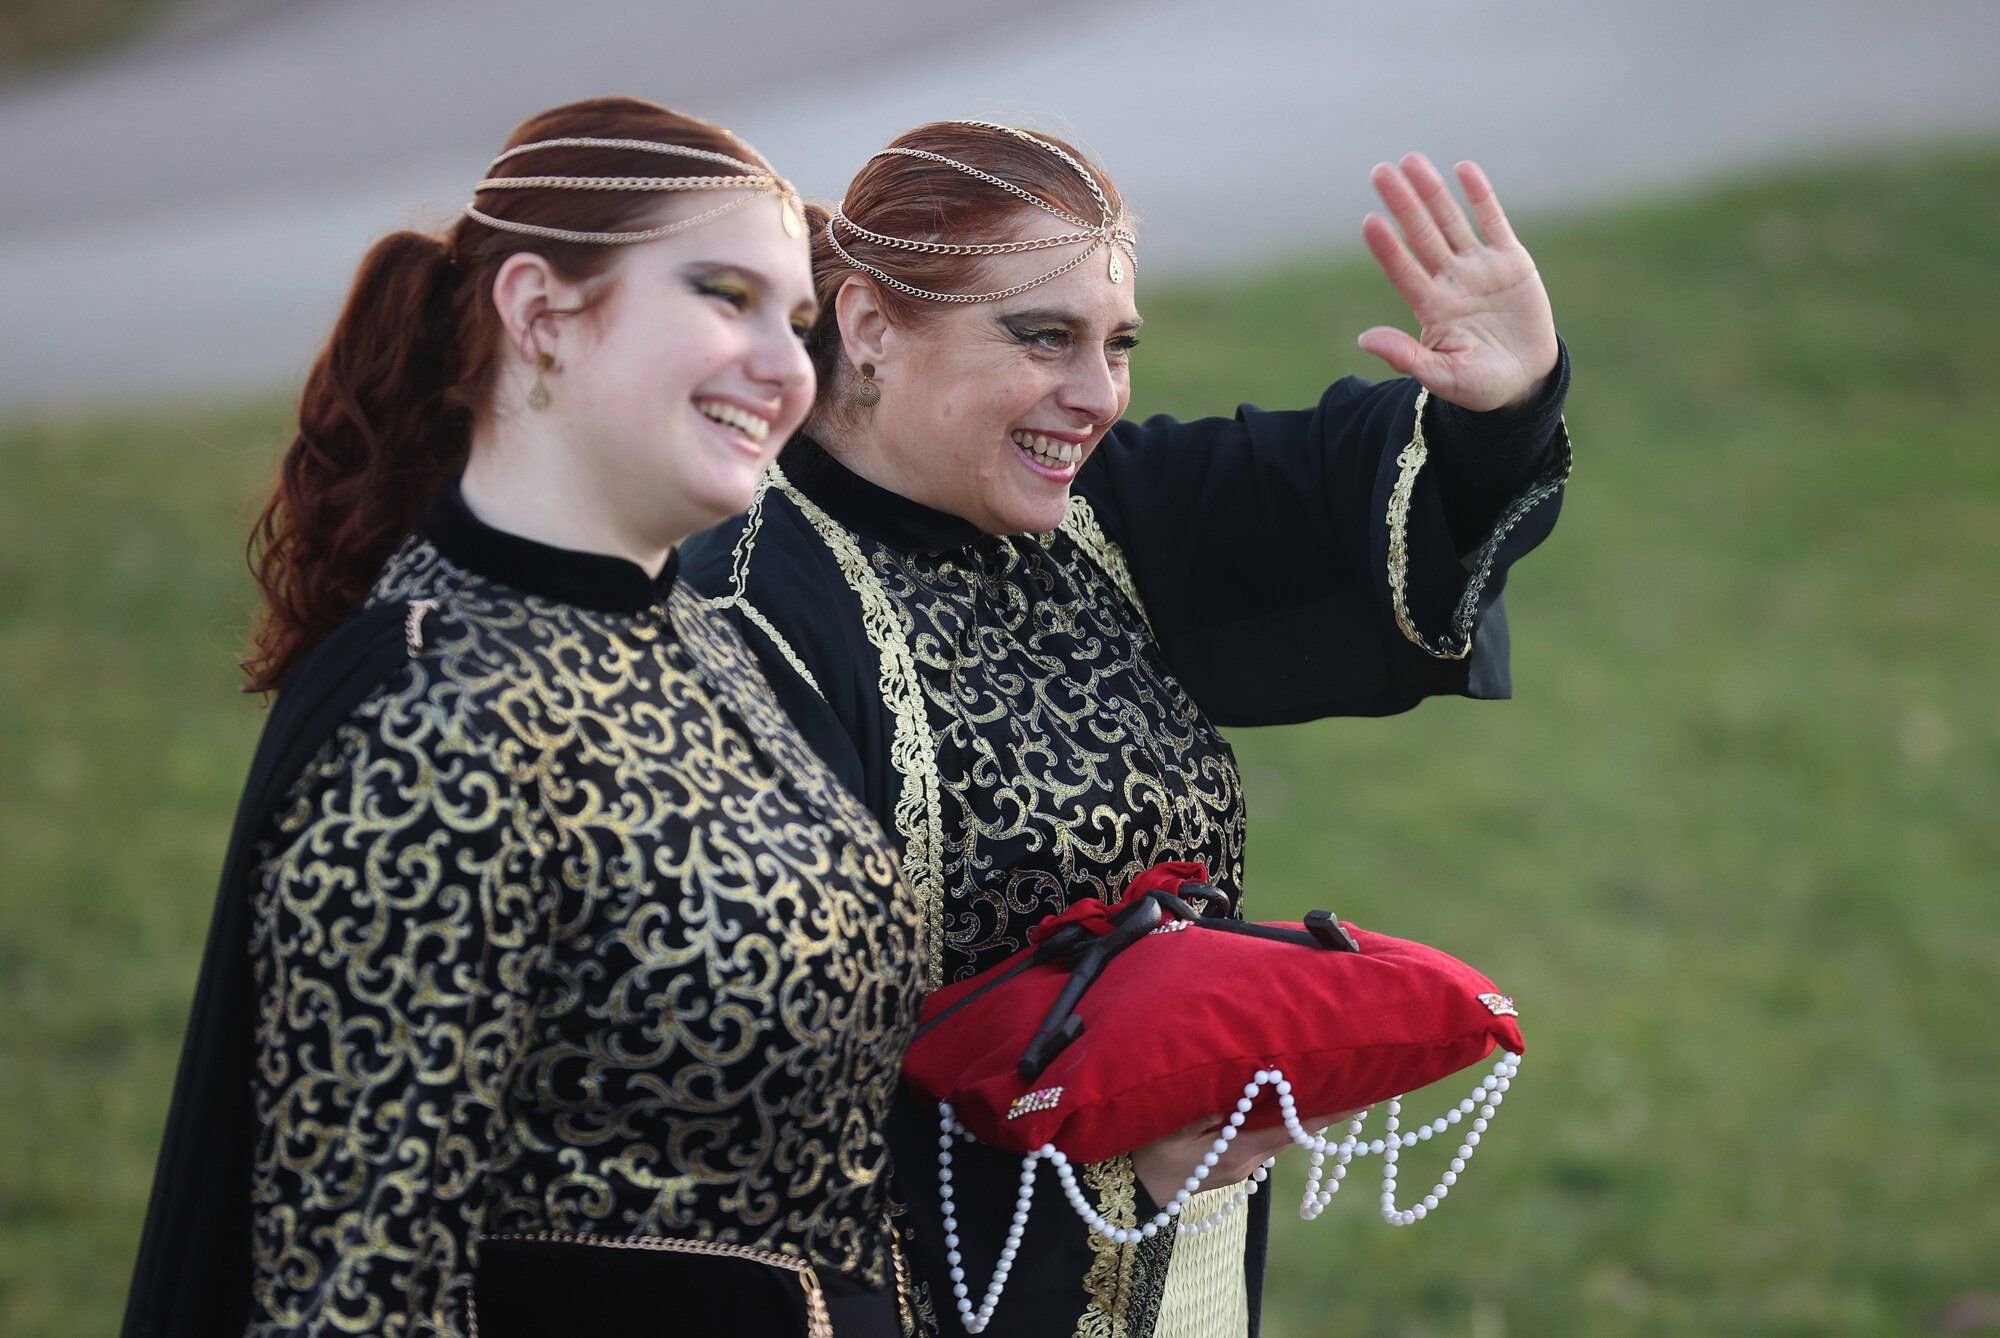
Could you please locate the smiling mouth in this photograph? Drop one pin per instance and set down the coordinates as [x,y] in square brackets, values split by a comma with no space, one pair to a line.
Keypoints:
[1048,455]
[752,428]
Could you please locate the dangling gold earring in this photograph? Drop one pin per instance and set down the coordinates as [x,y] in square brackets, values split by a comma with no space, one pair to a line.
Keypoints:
[868,394]
[538,397]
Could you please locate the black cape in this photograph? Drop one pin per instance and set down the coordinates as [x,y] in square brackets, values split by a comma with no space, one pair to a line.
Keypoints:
[193,1272]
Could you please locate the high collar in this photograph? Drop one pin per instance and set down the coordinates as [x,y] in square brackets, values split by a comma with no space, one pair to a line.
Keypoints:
[587,580]
[870,509]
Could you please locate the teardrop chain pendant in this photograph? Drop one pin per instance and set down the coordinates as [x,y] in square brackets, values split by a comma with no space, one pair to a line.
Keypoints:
[538,396]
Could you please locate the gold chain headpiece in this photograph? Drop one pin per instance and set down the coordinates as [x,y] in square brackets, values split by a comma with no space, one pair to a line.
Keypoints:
[1107,233]
[756,179]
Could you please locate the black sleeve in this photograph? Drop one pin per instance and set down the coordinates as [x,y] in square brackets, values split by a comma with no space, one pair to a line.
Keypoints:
[395,929]
[1338,560]
[1485,460]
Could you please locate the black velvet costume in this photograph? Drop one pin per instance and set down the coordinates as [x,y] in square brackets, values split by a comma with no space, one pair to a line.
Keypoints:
[1035,717]
[556,986]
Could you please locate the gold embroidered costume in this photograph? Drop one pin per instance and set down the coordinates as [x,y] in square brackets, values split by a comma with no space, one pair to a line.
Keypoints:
[1034,716]
[564,939]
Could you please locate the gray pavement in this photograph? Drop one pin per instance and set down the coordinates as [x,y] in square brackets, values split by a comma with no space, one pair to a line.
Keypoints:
[180,222]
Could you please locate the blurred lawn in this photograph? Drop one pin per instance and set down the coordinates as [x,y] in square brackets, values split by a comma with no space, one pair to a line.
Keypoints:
[1731,847]
[37,36]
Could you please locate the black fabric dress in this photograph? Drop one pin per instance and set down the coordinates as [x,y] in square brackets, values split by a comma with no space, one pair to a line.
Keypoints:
[555,986]
[1035,717]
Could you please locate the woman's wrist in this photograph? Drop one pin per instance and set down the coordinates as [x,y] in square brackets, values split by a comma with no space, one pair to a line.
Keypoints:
[1500,449]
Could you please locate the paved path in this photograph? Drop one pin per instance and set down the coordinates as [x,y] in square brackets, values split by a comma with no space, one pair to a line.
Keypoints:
[180,222]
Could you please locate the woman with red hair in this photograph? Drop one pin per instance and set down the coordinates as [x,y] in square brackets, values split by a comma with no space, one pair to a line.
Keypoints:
[554,985]
[1013,621]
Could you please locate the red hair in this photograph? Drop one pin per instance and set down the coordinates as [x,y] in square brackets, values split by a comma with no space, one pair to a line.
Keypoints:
[385,419]
[921,200]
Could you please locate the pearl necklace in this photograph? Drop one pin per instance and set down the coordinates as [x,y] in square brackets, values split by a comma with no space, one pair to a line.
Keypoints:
[1481,1105]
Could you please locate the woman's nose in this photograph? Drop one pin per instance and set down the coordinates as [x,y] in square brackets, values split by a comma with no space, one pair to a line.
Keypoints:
[779,361]
[1092,390]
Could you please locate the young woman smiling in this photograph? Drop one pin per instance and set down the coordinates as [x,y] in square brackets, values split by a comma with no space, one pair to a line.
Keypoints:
[1013,621]
[554,985]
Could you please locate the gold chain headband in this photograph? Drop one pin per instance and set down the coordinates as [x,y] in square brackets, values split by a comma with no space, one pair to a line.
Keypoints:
[757,179]
[1107,232]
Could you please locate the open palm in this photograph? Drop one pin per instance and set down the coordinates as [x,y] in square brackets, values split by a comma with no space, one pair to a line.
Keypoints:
[1488,336]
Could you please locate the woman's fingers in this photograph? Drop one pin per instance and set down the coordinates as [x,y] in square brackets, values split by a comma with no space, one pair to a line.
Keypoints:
[1405,275]
[1398,349]
[1163,1165]
[1485,206]
[1444,211]
[1419,229]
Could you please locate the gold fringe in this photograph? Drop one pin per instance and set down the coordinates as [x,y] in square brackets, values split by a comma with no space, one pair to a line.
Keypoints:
[1206,1295]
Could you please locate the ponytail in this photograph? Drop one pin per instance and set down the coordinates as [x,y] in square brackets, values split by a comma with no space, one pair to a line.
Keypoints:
[379,436]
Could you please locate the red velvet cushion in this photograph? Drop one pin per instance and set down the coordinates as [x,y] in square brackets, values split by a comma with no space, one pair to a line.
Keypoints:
[1180,1021]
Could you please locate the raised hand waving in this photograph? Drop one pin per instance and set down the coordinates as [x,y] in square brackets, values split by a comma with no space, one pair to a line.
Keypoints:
[1487,336]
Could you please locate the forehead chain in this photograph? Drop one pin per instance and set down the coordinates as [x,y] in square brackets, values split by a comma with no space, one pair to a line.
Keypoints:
[756,179]
[1106,233]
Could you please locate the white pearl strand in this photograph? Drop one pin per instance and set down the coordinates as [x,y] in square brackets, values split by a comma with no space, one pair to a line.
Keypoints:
[949,1128]
[1315,1200]
[1485,1099]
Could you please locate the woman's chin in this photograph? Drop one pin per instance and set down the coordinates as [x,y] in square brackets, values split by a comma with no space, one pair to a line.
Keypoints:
[723,493]
[1037,514]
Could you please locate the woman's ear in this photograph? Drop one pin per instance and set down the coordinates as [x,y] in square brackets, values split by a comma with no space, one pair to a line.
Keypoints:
[866,334]
[525,291]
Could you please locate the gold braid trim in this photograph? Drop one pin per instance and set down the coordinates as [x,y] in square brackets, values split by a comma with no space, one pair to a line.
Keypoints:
[1080,524]
[739,582]
[756,615]
[1409,463]
[819,1324]
[1109,1281]
[913,749]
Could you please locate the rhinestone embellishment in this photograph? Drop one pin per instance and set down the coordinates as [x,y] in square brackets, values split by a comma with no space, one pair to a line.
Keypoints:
[1044,1099]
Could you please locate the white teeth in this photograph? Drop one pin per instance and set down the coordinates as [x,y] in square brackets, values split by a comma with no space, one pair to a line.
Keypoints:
[749,424]
[1049,451]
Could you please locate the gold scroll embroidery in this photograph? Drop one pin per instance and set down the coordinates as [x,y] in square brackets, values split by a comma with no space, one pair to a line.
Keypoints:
[1080,524]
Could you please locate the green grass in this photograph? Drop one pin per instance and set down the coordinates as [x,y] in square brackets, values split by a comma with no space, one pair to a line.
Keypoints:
[37,35]
[1733,844]
[1732,847]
